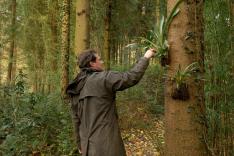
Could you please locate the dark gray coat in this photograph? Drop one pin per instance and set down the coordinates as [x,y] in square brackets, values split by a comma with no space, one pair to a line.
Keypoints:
[94,111]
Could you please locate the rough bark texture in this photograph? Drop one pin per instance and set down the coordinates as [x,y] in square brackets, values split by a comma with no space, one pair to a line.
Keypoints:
[12,44]
[65,45]
[82,26]
[185,119]
[107,35]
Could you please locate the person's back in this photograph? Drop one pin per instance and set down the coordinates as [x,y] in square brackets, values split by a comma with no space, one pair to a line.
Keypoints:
[94,110]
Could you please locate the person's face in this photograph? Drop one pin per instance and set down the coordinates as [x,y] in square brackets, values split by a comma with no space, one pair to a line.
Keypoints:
[98,64]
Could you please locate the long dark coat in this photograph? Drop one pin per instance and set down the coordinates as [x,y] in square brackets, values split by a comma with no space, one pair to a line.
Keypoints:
[94,110]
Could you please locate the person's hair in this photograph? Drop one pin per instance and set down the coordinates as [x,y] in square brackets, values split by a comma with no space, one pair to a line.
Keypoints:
[86,57]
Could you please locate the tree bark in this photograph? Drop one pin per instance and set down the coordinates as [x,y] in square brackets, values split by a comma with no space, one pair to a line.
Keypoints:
[185,120]
[107,35]
[12,45]
[54,50]
[1,51]
[82,40]
[65,46]
[231,5]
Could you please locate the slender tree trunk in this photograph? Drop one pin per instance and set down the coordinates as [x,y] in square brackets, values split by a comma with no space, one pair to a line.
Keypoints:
[113,51]
[113,40]
[65,45]
[35,80]
[14,63]
[231,5]
[54,41]
[82,40]
[107,35]
[185,120]
[12,44]
[1,51]
[40,60]
[118,53]
[230,116]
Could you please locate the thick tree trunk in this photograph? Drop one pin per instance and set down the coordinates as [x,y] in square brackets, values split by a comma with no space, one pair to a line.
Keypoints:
[65,45]
[82,40]
[12,45]
[185,120]
[107,35]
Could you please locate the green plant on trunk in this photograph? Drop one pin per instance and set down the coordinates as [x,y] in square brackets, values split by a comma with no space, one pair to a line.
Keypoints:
[180,86]
[157,38]
[181,76]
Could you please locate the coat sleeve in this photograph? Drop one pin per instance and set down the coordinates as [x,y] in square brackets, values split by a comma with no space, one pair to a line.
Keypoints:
[76,122]
[117,81]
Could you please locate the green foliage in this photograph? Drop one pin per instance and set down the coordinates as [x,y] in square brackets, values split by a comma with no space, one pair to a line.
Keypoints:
[149,90]
[153,84]
[157,38]
[34,123]
[182,76]
[219,87]
[37,123]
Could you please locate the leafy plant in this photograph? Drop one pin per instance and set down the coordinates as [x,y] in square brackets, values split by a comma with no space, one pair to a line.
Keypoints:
[157,38]
[180,87]
[20,83]
[182,75]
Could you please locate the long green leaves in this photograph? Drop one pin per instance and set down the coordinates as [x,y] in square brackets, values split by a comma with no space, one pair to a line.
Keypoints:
[157,38]
[173,13]
[182,75]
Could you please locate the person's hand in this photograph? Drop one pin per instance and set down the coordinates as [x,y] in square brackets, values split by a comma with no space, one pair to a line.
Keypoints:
[150,53]
[80,151]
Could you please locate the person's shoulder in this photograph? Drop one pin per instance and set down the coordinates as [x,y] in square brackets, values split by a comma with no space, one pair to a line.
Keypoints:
[104,74]
[98,75]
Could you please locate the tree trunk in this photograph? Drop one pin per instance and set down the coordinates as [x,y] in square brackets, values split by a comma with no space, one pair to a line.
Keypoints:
[65,45]
[1,51]
[157,11]
[231,5]
[185,120]
[82,40]
[12,44]
[53,20]
[107,35]
[113,51]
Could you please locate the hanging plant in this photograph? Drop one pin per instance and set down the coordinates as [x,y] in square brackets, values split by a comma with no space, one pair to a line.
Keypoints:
[180,85]
[157,38]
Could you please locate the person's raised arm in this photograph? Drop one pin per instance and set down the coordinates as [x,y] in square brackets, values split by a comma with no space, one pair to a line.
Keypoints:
[117,81]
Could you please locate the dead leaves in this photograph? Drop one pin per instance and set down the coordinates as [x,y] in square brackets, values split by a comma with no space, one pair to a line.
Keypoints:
[147,142]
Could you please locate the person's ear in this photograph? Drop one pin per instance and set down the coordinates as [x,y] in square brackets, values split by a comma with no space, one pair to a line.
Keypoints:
[91,64]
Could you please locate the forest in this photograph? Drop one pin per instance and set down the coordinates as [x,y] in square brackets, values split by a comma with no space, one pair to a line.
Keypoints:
[183,105]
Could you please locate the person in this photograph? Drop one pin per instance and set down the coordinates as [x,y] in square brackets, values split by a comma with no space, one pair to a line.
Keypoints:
[92,94]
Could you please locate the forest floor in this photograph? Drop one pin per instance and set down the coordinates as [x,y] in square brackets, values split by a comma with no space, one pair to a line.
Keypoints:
[142,132]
